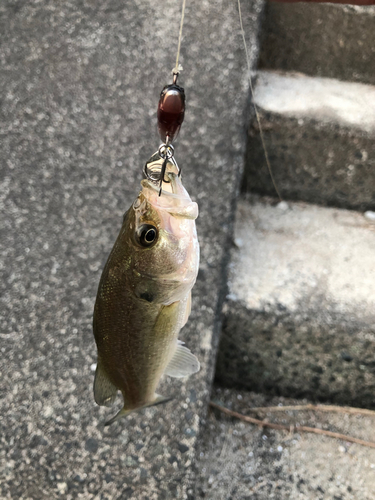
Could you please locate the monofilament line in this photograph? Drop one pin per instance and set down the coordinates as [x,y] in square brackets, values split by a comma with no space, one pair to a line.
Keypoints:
[255,106]
[180,36]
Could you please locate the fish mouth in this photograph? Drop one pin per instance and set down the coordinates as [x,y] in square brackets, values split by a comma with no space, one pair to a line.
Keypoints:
[173,197]
[172,188]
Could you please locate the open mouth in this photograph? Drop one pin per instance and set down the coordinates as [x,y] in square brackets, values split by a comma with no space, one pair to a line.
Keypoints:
[174,197]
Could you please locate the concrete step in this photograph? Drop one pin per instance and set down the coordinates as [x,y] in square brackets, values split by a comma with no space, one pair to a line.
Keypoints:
[79,86]
[334,41]
[300,314]
[319,134]
[240,461]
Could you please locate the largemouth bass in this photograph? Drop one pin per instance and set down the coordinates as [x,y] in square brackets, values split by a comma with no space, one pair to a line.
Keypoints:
[144,298]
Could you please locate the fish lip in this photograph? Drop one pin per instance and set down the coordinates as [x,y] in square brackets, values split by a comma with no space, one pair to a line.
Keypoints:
[178,204]
[178,196]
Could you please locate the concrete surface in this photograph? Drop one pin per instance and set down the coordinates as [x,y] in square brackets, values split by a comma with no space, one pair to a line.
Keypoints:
[336,41]
[326,100]
[240,461]
[79,86]
[299,318]
[319,134]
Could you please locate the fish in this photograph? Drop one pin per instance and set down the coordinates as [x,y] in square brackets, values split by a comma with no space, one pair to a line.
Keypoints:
[144,298]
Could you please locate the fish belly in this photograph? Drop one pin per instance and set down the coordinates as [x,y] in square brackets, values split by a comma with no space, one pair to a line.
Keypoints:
[135,341]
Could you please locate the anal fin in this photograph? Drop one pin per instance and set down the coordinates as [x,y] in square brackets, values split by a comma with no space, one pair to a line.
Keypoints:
[104,391]
[183,363]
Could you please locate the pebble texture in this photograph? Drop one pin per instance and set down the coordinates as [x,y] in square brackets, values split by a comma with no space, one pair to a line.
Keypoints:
[336,41]
[240,461]
[299,318]
[319,134]
[79,86]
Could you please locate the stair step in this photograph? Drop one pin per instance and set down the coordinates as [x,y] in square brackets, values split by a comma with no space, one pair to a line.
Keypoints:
[319,134]
[300,314]
[328,40]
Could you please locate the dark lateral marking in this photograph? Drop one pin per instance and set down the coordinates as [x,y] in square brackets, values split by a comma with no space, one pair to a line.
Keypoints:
[147,296]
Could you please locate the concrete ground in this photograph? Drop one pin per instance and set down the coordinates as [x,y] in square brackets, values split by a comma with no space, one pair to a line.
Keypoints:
[239,461]
[79,87]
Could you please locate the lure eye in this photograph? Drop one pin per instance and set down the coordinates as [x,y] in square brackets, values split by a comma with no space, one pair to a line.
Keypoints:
[147,235]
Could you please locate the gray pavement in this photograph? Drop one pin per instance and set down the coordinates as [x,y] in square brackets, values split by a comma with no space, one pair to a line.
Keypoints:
[79,85]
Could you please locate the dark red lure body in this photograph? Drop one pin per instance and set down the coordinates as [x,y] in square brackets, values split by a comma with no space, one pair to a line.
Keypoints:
[171,111]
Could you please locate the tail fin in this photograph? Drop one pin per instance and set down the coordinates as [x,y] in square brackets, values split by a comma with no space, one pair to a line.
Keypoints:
[124,412]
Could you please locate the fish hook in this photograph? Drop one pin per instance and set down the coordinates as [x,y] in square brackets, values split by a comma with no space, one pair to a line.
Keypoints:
[155,169]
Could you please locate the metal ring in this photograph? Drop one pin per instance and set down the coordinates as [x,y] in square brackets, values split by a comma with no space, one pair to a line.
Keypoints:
[151,175]
[166,151]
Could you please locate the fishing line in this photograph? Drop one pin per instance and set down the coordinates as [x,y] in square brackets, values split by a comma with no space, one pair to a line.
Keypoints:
[255,106]
[176,69]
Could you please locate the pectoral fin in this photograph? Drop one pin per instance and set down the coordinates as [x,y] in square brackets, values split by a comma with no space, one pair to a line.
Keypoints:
[104,391]
[183,363]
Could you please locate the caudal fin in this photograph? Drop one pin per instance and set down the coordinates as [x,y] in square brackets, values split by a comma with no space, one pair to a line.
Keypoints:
[124,412]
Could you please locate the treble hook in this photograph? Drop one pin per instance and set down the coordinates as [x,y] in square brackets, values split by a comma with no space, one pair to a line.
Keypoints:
[162,173]
[166,151]
[156,167]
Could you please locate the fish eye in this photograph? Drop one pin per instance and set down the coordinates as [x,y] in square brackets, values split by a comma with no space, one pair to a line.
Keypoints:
[147,235]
